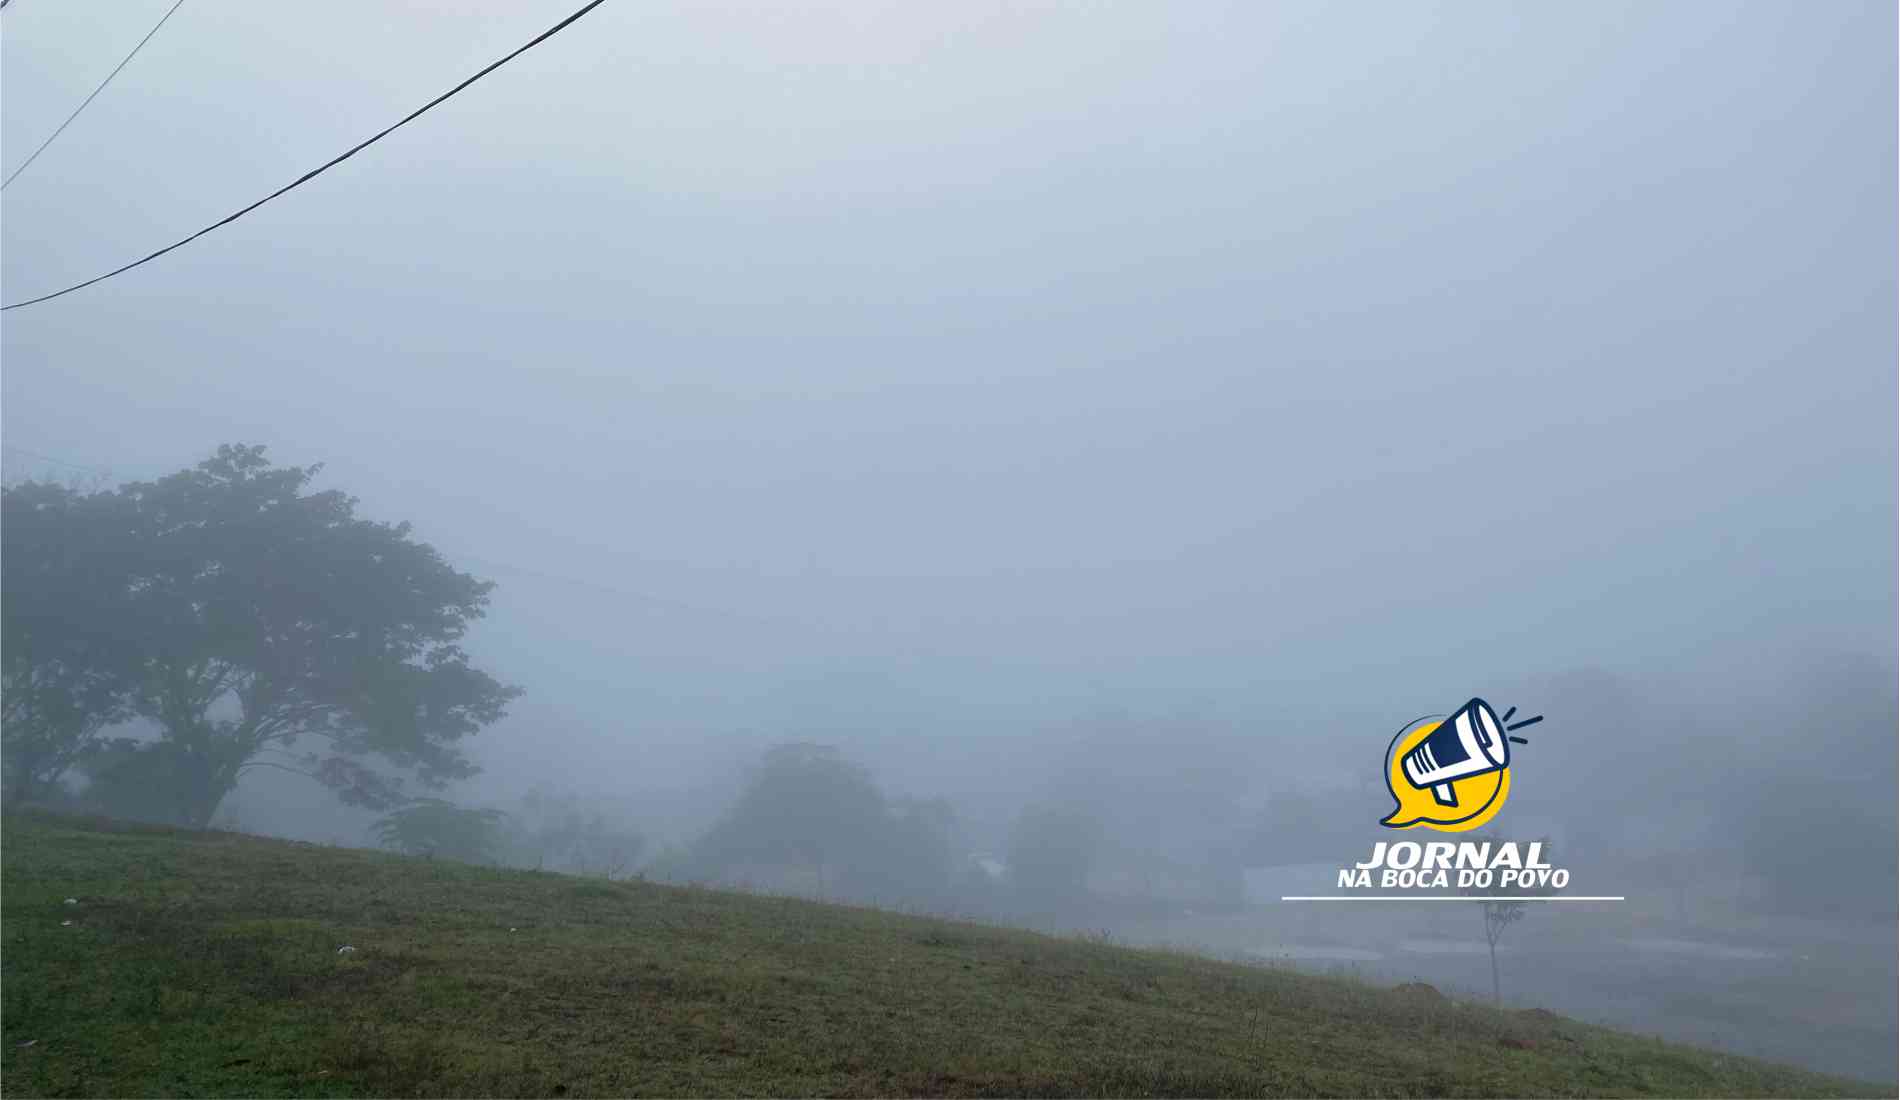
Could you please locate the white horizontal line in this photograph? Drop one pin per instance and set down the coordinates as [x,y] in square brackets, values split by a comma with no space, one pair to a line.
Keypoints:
[1443,897]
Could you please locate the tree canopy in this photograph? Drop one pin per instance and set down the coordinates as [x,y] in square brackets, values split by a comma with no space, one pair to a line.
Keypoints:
[433,827]
[247,617]
[809,806]
[1052,849]
[67,670]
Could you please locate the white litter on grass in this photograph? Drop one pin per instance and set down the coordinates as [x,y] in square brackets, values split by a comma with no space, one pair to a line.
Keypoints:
[345,949]
[511,930]
[72,901]
[65,924]
[29,1042]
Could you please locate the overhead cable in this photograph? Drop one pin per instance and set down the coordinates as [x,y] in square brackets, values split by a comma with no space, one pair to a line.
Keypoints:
[326,166]
[82,103]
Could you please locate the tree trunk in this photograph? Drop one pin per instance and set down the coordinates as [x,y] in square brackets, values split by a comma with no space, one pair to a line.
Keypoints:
[201,810]
[17,790]
[202,788]
[1497,996]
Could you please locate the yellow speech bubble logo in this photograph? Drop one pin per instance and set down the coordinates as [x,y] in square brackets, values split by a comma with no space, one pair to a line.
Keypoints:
[1475,799]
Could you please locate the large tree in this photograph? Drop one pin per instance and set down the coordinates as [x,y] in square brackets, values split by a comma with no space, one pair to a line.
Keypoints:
[267,618]
[806,806]
[67,670]
[1052,849]
[809,806]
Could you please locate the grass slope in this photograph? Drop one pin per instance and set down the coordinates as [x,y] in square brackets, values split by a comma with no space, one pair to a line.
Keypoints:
[206,964]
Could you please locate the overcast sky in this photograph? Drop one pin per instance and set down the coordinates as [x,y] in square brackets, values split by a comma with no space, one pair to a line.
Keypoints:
[933,369]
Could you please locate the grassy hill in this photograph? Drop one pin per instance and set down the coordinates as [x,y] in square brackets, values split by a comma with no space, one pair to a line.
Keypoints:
[207,964]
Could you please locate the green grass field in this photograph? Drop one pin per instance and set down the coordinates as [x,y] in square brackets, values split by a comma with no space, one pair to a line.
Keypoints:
[206,964]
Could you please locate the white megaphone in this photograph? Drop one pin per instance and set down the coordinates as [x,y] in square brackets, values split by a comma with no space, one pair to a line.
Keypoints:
[1470,742]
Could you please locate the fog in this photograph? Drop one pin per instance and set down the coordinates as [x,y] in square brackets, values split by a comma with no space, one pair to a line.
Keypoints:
[1136,410]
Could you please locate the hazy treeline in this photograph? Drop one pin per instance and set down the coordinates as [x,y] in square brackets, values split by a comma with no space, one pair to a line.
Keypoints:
[164,640]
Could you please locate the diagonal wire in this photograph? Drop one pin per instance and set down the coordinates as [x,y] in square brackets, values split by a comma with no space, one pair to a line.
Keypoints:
[326,166]
[102,87]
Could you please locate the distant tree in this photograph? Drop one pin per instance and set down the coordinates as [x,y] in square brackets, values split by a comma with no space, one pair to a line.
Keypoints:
[910,856]
[67,671]
[1296,826]
[261,614]
[436,828]
[1052,849]
[1500,915]
[557,832]
[1844,762]
[806,806]
[1674,871]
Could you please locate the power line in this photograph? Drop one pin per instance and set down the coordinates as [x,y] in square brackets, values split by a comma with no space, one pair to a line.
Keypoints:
[95,92]
[333,162]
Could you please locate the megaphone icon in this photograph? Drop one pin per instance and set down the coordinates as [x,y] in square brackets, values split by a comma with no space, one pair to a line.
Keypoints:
[1470,742]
